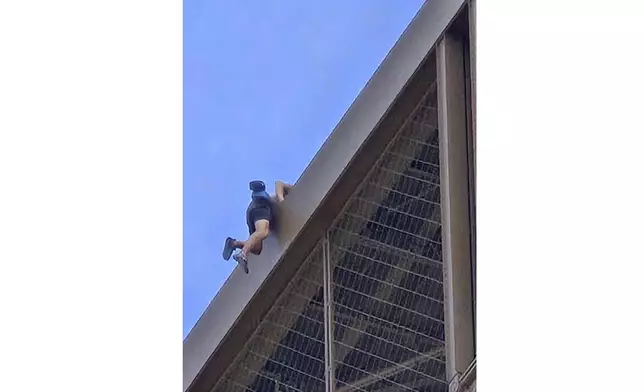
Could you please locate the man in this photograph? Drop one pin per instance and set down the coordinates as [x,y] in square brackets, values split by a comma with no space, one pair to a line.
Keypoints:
[259,218]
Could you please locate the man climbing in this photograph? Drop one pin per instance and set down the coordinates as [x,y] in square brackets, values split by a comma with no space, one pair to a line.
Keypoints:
[259,218]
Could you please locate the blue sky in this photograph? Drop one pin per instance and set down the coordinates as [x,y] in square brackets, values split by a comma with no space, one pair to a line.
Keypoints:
[264,84]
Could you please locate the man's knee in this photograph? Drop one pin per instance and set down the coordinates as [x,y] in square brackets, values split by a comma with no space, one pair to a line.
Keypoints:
[262,228]
[263,232]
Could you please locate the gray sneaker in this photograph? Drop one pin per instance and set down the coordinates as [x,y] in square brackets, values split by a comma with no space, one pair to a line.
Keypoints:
[240,259]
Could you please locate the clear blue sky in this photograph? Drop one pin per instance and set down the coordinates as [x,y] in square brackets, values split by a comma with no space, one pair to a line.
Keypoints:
[264,84]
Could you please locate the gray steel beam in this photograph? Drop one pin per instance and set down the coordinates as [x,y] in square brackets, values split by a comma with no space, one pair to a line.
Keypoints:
[459,331]
[329,370]
[472,34]
[472,133]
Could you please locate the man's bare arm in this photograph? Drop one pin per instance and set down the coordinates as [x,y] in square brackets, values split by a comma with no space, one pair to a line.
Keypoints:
[281,190]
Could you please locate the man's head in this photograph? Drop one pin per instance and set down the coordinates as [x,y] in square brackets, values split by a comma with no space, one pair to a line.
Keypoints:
[258,189]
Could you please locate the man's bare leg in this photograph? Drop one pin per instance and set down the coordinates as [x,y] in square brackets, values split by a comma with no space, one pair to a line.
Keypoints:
[253,243]
[255,240]
[240,245]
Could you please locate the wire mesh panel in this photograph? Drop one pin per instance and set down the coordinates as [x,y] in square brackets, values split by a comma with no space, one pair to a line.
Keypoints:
[286,352]
[387,268]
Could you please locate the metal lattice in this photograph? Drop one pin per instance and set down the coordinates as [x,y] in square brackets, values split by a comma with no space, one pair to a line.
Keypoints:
[286,353]
[387,279]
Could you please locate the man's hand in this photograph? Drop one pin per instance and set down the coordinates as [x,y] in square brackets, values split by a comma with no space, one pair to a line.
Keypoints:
[281,189]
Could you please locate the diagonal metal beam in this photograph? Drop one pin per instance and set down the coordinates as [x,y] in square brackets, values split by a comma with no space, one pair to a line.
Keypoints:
[406,153]
[391,371]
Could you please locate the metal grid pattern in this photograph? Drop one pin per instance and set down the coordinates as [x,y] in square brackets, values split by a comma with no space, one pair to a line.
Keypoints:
[286,352]
[387,269]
